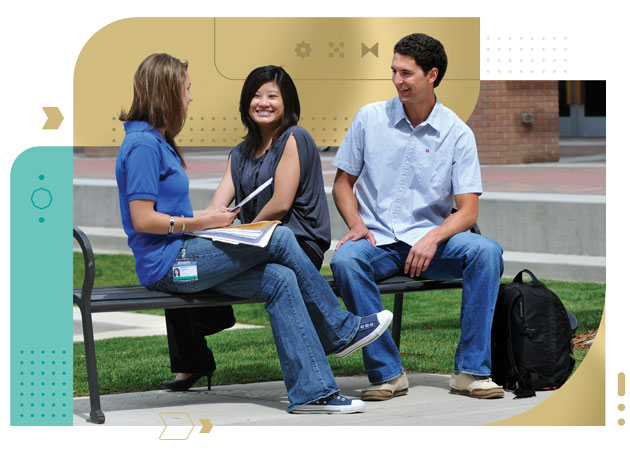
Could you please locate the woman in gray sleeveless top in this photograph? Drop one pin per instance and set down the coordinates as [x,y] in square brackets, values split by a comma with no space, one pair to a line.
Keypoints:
[276,147]
[273,147]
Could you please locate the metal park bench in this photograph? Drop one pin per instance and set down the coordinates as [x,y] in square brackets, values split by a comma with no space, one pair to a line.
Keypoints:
[92,299]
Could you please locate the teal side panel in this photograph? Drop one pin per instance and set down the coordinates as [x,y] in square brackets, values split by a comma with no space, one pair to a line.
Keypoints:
[41,285]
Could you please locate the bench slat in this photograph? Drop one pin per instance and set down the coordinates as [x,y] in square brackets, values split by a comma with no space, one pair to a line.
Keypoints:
[169,303]
[140,293]
[129,298]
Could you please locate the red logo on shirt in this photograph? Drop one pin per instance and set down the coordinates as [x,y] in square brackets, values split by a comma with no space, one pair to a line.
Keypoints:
[427,150]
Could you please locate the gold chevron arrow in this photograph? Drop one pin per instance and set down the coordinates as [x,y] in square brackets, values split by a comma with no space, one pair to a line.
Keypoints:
[181,426]
[206,425]
[54,117]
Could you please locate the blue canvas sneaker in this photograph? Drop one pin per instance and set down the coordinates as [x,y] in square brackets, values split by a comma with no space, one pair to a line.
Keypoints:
[370,329]
[334,404]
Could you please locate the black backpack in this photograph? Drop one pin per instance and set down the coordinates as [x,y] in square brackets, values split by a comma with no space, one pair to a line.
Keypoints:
[532,345]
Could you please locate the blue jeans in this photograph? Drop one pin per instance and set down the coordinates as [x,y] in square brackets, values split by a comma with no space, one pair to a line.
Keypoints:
[476,259]
[297,298]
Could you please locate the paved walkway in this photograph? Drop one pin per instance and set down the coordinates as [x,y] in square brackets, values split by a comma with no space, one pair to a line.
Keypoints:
[125,324]
[428,403]
[581,170]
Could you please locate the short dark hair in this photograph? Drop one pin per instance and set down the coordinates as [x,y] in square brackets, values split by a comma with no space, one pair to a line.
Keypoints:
[428,53]
[290,100]
[158,89]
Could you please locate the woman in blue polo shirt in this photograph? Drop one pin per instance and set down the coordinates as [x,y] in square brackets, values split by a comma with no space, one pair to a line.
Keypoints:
[156,211]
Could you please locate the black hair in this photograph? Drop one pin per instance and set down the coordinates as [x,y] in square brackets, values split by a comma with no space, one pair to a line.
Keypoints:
[257,77]
[428,53]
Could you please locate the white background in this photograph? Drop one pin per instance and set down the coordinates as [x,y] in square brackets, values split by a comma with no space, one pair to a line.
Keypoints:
[40,45]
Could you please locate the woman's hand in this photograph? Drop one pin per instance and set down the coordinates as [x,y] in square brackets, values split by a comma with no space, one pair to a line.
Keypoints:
[208,210]
[217,217]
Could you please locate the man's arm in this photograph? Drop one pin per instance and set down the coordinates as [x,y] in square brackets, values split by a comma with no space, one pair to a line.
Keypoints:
[422,252]
[348,207]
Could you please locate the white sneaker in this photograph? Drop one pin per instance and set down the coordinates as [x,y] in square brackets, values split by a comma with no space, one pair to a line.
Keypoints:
[475,386]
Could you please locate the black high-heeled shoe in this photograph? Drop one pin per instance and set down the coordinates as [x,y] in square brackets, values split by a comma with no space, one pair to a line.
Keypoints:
[184,385]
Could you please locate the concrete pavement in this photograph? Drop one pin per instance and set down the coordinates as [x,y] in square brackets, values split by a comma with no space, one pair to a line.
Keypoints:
[125,324]
[427,403]
[581,170]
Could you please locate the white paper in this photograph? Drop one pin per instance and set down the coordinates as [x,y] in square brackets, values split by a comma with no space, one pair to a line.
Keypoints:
[253,194]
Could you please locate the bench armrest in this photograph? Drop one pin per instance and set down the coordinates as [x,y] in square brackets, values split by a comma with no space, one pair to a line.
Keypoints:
[88,260]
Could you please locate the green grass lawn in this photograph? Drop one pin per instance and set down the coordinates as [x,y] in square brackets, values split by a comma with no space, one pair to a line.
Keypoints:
[430,331]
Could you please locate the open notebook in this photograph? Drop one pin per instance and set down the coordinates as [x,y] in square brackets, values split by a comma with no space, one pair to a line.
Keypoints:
[257,233]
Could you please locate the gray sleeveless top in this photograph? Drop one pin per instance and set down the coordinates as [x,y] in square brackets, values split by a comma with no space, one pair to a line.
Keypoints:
[308,218]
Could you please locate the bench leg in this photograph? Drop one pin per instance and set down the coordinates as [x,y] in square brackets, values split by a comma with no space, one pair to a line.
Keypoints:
[397,320]
[96,414]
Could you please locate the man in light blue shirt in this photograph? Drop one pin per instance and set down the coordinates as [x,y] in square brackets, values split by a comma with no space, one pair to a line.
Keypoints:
[400,168]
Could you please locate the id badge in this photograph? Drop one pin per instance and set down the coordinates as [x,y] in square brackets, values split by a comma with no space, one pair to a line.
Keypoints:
[184,270]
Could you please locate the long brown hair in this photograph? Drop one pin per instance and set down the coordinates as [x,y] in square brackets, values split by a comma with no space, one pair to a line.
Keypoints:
[158,87]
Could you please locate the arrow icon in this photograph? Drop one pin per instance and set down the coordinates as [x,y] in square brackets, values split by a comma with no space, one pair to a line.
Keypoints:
[181,426]
[54,118]
[206,425]
[365,50]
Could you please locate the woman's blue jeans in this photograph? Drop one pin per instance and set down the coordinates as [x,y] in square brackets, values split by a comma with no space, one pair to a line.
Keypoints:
[306,319]
[476,259]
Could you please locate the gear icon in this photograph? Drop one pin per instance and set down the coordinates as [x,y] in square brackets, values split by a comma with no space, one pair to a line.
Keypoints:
[303,49]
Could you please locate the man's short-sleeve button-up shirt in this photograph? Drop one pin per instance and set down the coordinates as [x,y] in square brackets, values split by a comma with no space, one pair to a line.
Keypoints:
[408,176]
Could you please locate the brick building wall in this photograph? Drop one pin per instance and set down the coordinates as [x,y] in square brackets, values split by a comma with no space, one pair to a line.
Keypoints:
[502,137]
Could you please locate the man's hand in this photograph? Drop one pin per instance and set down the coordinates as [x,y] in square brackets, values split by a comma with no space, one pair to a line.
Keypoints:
[356,233]
[421,255]
[349,209]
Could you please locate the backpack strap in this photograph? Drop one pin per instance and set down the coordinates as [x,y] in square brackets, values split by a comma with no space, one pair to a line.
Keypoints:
[523,388]
[519,278]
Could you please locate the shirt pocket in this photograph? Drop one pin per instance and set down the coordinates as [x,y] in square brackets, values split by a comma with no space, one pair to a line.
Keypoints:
[440,166]
[431,165]
[440,176]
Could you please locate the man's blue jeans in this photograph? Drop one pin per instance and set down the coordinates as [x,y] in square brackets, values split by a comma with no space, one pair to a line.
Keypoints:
[474,258]
[306,319]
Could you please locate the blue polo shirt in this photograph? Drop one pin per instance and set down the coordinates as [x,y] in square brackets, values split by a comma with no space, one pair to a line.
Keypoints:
[148,168]
[408,176]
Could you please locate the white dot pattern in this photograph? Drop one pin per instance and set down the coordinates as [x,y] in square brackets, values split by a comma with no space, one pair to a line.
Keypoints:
[524,57]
